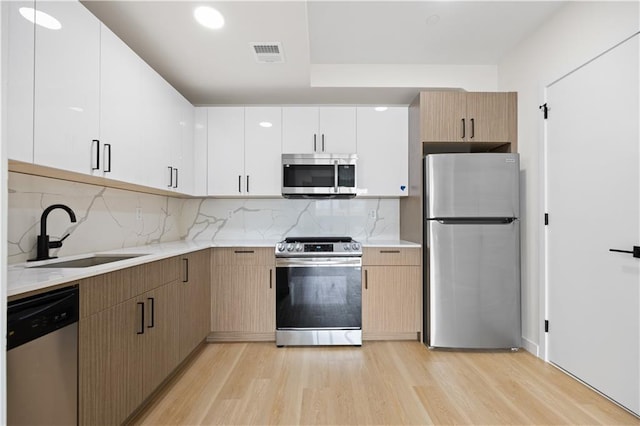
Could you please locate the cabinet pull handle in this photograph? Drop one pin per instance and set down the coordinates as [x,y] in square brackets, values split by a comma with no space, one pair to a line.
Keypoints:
[473,128]
[107,147]
[243,251]
[175,184]
[141,331]
[270,278]
[366,280]
[247,184]
[323,142]
[463,129]
[186,270]
[314,143]
[170,177]
[240,184]
[96,143]
[153,312]
[389,251]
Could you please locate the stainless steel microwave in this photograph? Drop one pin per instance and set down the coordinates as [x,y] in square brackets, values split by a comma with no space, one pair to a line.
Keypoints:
[319,175]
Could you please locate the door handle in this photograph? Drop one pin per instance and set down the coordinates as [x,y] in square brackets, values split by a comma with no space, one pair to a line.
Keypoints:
[323,142]
[175,184]
[170,177]
[186,270]
[97,145]
[239,183]
[107,148]
[473,128]
[153,312]
[270,278]
[141,331]
[314,143]
[635,252]
[463,129]
[247,184]
[366,280]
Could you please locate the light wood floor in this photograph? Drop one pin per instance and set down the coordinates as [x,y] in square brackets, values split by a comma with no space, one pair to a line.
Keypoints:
[379,383]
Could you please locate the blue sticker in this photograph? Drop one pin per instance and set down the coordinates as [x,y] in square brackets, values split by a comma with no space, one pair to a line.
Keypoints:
[402,187]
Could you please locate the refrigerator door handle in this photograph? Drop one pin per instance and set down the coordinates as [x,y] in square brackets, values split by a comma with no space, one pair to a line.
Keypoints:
[477,221]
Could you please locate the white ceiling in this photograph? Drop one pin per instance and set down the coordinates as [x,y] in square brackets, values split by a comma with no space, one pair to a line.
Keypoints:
[218,67]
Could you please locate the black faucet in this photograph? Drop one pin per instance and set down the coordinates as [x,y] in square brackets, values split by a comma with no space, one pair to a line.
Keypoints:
[43,239]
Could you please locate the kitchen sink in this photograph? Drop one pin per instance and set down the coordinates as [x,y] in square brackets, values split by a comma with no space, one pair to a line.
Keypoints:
[85,262]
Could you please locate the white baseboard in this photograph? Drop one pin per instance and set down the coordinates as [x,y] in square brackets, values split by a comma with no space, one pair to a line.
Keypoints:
[530,347]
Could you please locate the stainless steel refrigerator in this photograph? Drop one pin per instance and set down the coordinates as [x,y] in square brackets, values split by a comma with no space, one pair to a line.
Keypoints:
[472,255]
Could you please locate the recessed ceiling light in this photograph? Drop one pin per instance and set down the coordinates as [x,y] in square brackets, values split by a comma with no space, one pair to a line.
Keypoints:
[265,124]
[380,108]
[40,18]
[209,17]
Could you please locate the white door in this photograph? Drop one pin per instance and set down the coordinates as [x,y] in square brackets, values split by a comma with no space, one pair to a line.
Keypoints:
[67,87]
[300,130]
[383,143]
[262,148]
[225,151]
[593,204]
[337,130]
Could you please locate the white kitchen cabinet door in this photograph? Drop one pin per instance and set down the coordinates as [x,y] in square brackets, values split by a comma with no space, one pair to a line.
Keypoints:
[300,130]
[337,130]
[383,143]
[186,169]
[262,151]
[18,59]
[67,86]
[121,146]
[160,130]
[225,151]
[200,152]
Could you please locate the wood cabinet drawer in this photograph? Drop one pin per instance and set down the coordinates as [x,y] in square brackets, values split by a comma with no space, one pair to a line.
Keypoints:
[391,256]
[243,256]
[104,291]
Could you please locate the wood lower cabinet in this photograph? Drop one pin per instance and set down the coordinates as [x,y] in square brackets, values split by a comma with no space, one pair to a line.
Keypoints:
[194,289]
[243,294]
[391,294]
[130,334]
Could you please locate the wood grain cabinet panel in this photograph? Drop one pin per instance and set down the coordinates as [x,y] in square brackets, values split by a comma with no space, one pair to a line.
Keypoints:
[243,294]
[391,293]
[107,290]
[483,117]
[195,300]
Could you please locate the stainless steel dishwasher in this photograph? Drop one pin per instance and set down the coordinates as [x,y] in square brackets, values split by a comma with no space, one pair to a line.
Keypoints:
[42,359]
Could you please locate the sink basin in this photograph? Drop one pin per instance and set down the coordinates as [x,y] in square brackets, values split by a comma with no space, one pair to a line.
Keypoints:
[85,262]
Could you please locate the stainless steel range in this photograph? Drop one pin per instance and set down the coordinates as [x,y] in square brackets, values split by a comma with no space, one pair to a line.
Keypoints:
[318,291]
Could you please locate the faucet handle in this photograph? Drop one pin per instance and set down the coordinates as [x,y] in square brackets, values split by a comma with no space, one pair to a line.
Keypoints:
[57,244]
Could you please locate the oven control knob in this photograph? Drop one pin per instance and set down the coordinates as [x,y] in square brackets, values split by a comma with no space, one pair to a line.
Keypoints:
[355,246]
[289,247]
[298,247]
[280,247]
[345,247]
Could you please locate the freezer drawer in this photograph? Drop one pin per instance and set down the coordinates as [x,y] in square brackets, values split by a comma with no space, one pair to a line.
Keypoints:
[473,285]
[472,185]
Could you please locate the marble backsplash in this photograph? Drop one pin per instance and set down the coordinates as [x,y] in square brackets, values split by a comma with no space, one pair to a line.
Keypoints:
[106,217]
[110,218]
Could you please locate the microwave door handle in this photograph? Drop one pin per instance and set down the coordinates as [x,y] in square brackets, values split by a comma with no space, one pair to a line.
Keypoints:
[335,178]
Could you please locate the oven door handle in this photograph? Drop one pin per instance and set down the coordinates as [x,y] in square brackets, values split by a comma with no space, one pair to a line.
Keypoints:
[318,261]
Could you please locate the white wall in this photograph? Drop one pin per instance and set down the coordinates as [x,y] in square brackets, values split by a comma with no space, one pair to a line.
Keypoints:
[575,34]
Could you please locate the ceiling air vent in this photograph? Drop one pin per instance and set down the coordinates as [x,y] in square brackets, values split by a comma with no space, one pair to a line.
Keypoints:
[268,53]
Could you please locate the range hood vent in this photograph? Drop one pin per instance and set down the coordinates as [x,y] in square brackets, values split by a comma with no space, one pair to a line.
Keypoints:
[267,52]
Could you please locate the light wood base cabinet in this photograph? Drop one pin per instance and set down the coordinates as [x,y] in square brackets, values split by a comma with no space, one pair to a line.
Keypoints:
[195,300]
[391,294]
[137,325]
[243,294]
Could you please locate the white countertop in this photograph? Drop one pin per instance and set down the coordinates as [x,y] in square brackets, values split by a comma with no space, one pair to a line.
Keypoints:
[24,278]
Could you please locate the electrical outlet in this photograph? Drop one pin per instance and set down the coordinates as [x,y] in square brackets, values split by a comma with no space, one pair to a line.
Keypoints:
[138,213]
[372,214]
[229,214]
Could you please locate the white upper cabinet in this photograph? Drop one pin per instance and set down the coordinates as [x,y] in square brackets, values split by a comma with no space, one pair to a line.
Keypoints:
[262,151]
[244,151]
[225,151]
[318,130]
[200,152]
[18,60]
[67,83]
[186,168]
[121,148]
[383,143]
